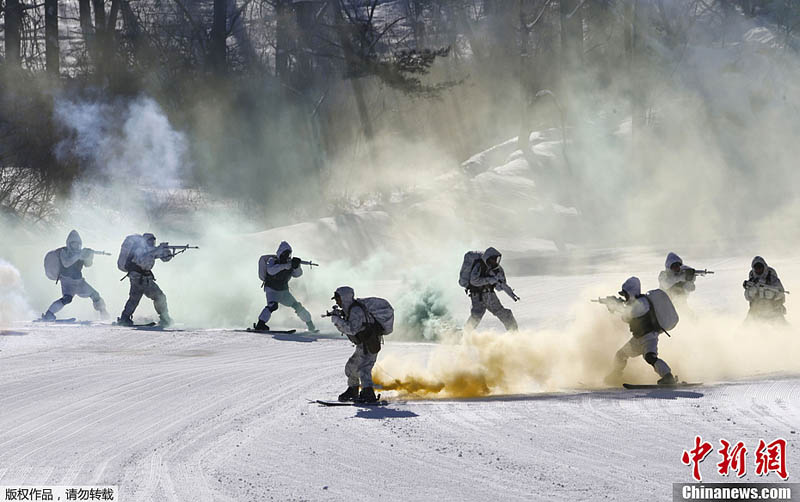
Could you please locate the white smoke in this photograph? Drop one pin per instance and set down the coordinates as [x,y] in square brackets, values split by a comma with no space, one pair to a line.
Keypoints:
[13,303]
[132,143]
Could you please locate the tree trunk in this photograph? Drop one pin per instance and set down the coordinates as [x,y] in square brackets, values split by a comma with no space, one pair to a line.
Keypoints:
[13,21]
[85,16]
[51,37]
[282,19]
[571,34]
[632,49]
[219,35]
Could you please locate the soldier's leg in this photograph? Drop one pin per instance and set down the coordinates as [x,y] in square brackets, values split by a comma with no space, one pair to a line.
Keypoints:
[649,344]
[272,306]
[630,349]
[59,304]
[85,290]
[288,299]
[152,291]
[505,315]
[134,296]
[365,367]
[351,368]
[477,311]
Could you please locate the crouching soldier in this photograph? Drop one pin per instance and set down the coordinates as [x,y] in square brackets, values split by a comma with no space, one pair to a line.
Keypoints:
[66,264]
[481,275]
[764,290]
[137,257]
[638,311]
[276,270]
[365,321]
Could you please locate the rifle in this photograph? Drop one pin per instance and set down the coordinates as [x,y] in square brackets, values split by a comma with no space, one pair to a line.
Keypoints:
[309,263]
[507,289]
[699,272]
[174,250]
[609,300]
[335,311]
[102,253]
[765,287]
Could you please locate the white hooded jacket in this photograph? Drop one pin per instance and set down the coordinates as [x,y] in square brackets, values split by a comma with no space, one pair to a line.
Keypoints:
[673,283]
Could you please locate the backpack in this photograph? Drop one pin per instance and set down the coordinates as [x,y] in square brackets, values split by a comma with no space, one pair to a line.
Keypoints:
[470,258]
[262,266]
[52,264]
[379,310]
[664,311]
[130,243]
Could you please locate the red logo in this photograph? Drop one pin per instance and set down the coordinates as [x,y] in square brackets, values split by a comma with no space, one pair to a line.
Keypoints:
[768,458]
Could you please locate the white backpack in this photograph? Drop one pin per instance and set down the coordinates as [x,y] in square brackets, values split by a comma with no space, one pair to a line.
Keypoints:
[664,310]
[262,266]
[130,243]
[52,264]
[380,310]
[470,258]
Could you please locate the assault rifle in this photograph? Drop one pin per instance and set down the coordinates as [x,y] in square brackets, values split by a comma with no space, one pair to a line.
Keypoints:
[335,311]
[174,250]
[309,263]
[102,253]
[510,292]
[765,287]
[609,300]
[695,271]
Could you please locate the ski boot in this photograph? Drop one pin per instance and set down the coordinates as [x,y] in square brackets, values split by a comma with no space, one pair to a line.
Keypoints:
[165,321]
[260,326]
[667,379]
[48,316]
[124,321]
[351,394]
[367,396]
[311,328]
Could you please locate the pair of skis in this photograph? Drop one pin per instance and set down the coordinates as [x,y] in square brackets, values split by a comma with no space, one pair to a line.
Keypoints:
[351,403]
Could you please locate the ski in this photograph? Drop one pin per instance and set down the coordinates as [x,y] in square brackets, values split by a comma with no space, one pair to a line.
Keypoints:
[271,331]
[657,386]
[147,325]
[351,403]
[69,320]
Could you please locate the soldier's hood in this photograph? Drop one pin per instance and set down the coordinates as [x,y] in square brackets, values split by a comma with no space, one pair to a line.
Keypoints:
[490,252]
[672,259]
[755,261]
[74,237]
[284,246]
[347,295]
[633,287]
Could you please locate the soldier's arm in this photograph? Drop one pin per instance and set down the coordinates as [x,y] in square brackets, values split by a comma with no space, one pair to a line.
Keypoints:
[475,278]
[353,325]
[274,267]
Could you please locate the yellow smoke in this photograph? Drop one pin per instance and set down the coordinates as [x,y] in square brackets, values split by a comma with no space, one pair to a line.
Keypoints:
[481,363]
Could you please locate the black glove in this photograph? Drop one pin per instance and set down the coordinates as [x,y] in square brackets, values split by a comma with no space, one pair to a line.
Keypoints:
[295,262]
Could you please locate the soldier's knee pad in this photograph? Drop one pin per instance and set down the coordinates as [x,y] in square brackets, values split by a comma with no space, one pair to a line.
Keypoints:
[66,299]
[651,358]
[272,306]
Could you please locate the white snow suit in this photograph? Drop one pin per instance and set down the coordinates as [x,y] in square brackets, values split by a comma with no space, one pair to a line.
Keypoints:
[637,313]
[73,258]
[765,293]
[143,282]
[356,327]
[277,271]
[481,289]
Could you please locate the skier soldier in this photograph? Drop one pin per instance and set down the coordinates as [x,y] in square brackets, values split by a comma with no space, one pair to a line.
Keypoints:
[676,280]
[364,321]
[485,276]
[764,291]
[67,264]
[137,258]
[637,311]
[276,271]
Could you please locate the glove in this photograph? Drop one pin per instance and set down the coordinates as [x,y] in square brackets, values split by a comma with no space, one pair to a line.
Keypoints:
[87,253]
[688,274]
[295,262]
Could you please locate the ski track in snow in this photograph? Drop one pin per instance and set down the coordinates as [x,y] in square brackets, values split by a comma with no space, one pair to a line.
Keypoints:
[210,415]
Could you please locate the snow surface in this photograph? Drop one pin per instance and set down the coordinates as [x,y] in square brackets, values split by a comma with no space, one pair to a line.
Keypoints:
[224,415]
